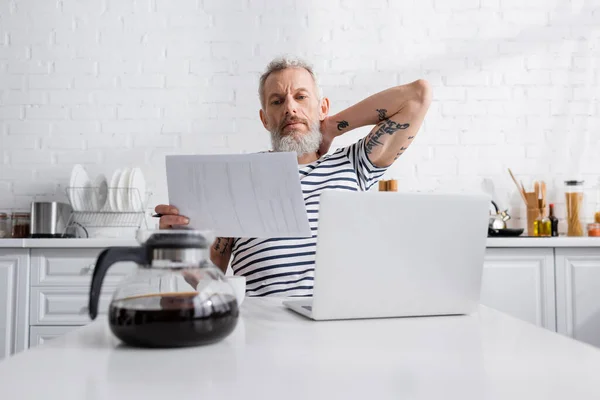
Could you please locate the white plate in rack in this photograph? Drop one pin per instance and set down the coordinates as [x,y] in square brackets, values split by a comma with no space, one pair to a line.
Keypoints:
[137,189]
[81,193]
[100,192]
[123,191]
[112,191]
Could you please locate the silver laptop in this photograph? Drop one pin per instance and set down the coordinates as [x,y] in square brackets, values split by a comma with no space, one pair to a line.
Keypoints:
[382,254]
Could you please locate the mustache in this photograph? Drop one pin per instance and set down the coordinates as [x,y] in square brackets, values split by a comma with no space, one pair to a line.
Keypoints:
[292,121]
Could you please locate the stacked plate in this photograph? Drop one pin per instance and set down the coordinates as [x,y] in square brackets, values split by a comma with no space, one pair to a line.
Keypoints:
[124,193]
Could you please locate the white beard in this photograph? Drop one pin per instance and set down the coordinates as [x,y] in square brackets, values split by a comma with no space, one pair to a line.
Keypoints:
[298,142]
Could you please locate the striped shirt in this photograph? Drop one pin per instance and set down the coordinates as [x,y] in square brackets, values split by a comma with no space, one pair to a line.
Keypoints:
[285,266]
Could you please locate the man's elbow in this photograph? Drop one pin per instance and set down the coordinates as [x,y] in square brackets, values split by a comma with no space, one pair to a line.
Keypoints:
[422,92]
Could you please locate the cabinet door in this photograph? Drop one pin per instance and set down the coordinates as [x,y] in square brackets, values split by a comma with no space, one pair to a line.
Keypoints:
[520,282]
[13,301]
[41,334]
[578,293]
[64,306]
[72,267]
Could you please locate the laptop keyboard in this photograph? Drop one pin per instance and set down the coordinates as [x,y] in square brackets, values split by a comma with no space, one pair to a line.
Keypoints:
[309,308]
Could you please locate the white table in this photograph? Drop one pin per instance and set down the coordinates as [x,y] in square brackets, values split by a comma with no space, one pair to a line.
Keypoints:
[276,354]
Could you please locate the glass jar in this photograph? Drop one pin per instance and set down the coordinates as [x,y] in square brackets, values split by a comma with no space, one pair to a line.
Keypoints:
[20,225]
[594,230]
[597,208]
[5,228]
[574,207]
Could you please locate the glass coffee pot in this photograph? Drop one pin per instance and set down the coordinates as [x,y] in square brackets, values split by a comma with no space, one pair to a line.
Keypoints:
[177,296]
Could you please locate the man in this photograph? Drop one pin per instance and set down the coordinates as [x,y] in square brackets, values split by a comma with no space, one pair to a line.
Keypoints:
[296,114]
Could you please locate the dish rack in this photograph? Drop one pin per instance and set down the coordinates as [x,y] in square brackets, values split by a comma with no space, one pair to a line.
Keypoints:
[113,207]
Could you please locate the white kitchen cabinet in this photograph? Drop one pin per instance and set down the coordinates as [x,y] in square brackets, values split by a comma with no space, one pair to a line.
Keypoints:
[64,306]
[14,284]
[578,293]
[72,267]
[520,282]
[40,334]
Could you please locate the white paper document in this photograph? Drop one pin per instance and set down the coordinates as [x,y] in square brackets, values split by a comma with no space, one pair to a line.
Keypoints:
[239,195]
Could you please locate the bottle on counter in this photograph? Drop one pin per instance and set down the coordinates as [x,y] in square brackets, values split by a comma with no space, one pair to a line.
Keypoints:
[553,222]
[537,226]
[546,230]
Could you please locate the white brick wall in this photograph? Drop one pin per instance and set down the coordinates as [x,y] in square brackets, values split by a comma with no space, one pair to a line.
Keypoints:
[121,82]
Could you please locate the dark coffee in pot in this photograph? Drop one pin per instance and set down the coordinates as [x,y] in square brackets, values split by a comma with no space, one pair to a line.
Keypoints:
[173,319]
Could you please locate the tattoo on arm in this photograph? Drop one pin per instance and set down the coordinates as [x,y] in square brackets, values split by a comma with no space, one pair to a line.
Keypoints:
[411,137]
[221,246]
[381,112]
[385,127]
[342,125]
[398,155]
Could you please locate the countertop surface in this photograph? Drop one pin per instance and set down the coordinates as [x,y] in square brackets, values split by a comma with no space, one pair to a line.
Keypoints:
[562,241]
[276,354]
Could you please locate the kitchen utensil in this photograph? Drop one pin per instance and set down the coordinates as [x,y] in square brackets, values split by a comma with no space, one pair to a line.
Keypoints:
[177,297]
[498,218]
[50,220]
[544,198]
[508,232]
[519,188]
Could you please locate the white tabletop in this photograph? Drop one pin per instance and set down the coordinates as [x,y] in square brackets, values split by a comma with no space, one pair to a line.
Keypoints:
[276,354]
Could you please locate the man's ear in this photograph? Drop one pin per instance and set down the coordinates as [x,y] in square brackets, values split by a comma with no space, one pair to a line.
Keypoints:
[323,108]
[263,118]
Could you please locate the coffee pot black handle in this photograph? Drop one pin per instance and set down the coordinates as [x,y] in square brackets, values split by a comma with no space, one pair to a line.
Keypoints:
[106,259]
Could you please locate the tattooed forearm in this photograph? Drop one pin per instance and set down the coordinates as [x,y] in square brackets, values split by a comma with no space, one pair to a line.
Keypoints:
[388,127]
[411,137]
[402,149]
[381,112]
[342,125]
[221,246]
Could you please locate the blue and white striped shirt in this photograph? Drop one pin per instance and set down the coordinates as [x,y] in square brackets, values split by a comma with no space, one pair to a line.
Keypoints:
[285,266]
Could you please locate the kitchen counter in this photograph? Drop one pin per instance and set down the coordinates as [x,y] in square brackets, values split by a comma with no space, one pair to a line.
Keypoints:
[562,241]
[66,243]
[275,353]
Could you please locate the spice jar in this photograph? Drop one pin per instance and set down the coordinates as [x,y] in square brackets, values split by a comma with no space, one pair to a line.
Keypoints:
[5,227]
[597,208]
[20,225]
[594,230]
[574,205]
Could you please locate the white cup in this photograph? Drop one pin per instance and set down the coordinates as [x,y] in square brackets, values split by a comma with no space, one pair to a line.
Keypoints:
[239,287]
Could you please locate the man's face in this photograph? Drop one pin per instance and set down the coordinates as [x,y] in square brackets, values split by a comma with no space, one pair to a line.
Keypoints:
[293,111]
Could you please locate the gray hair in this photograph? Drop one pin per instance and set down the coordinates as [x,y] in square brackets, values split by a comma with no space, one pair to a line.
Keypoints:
[279,64]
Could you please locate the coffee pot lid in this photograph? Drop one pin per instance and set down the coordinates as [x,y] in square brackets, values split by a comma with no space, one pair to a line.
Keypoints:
[176,239]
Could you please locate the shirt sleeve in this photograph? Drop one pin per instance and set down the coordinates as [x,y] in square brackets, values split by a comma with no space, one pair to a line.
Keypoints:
[367,173]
